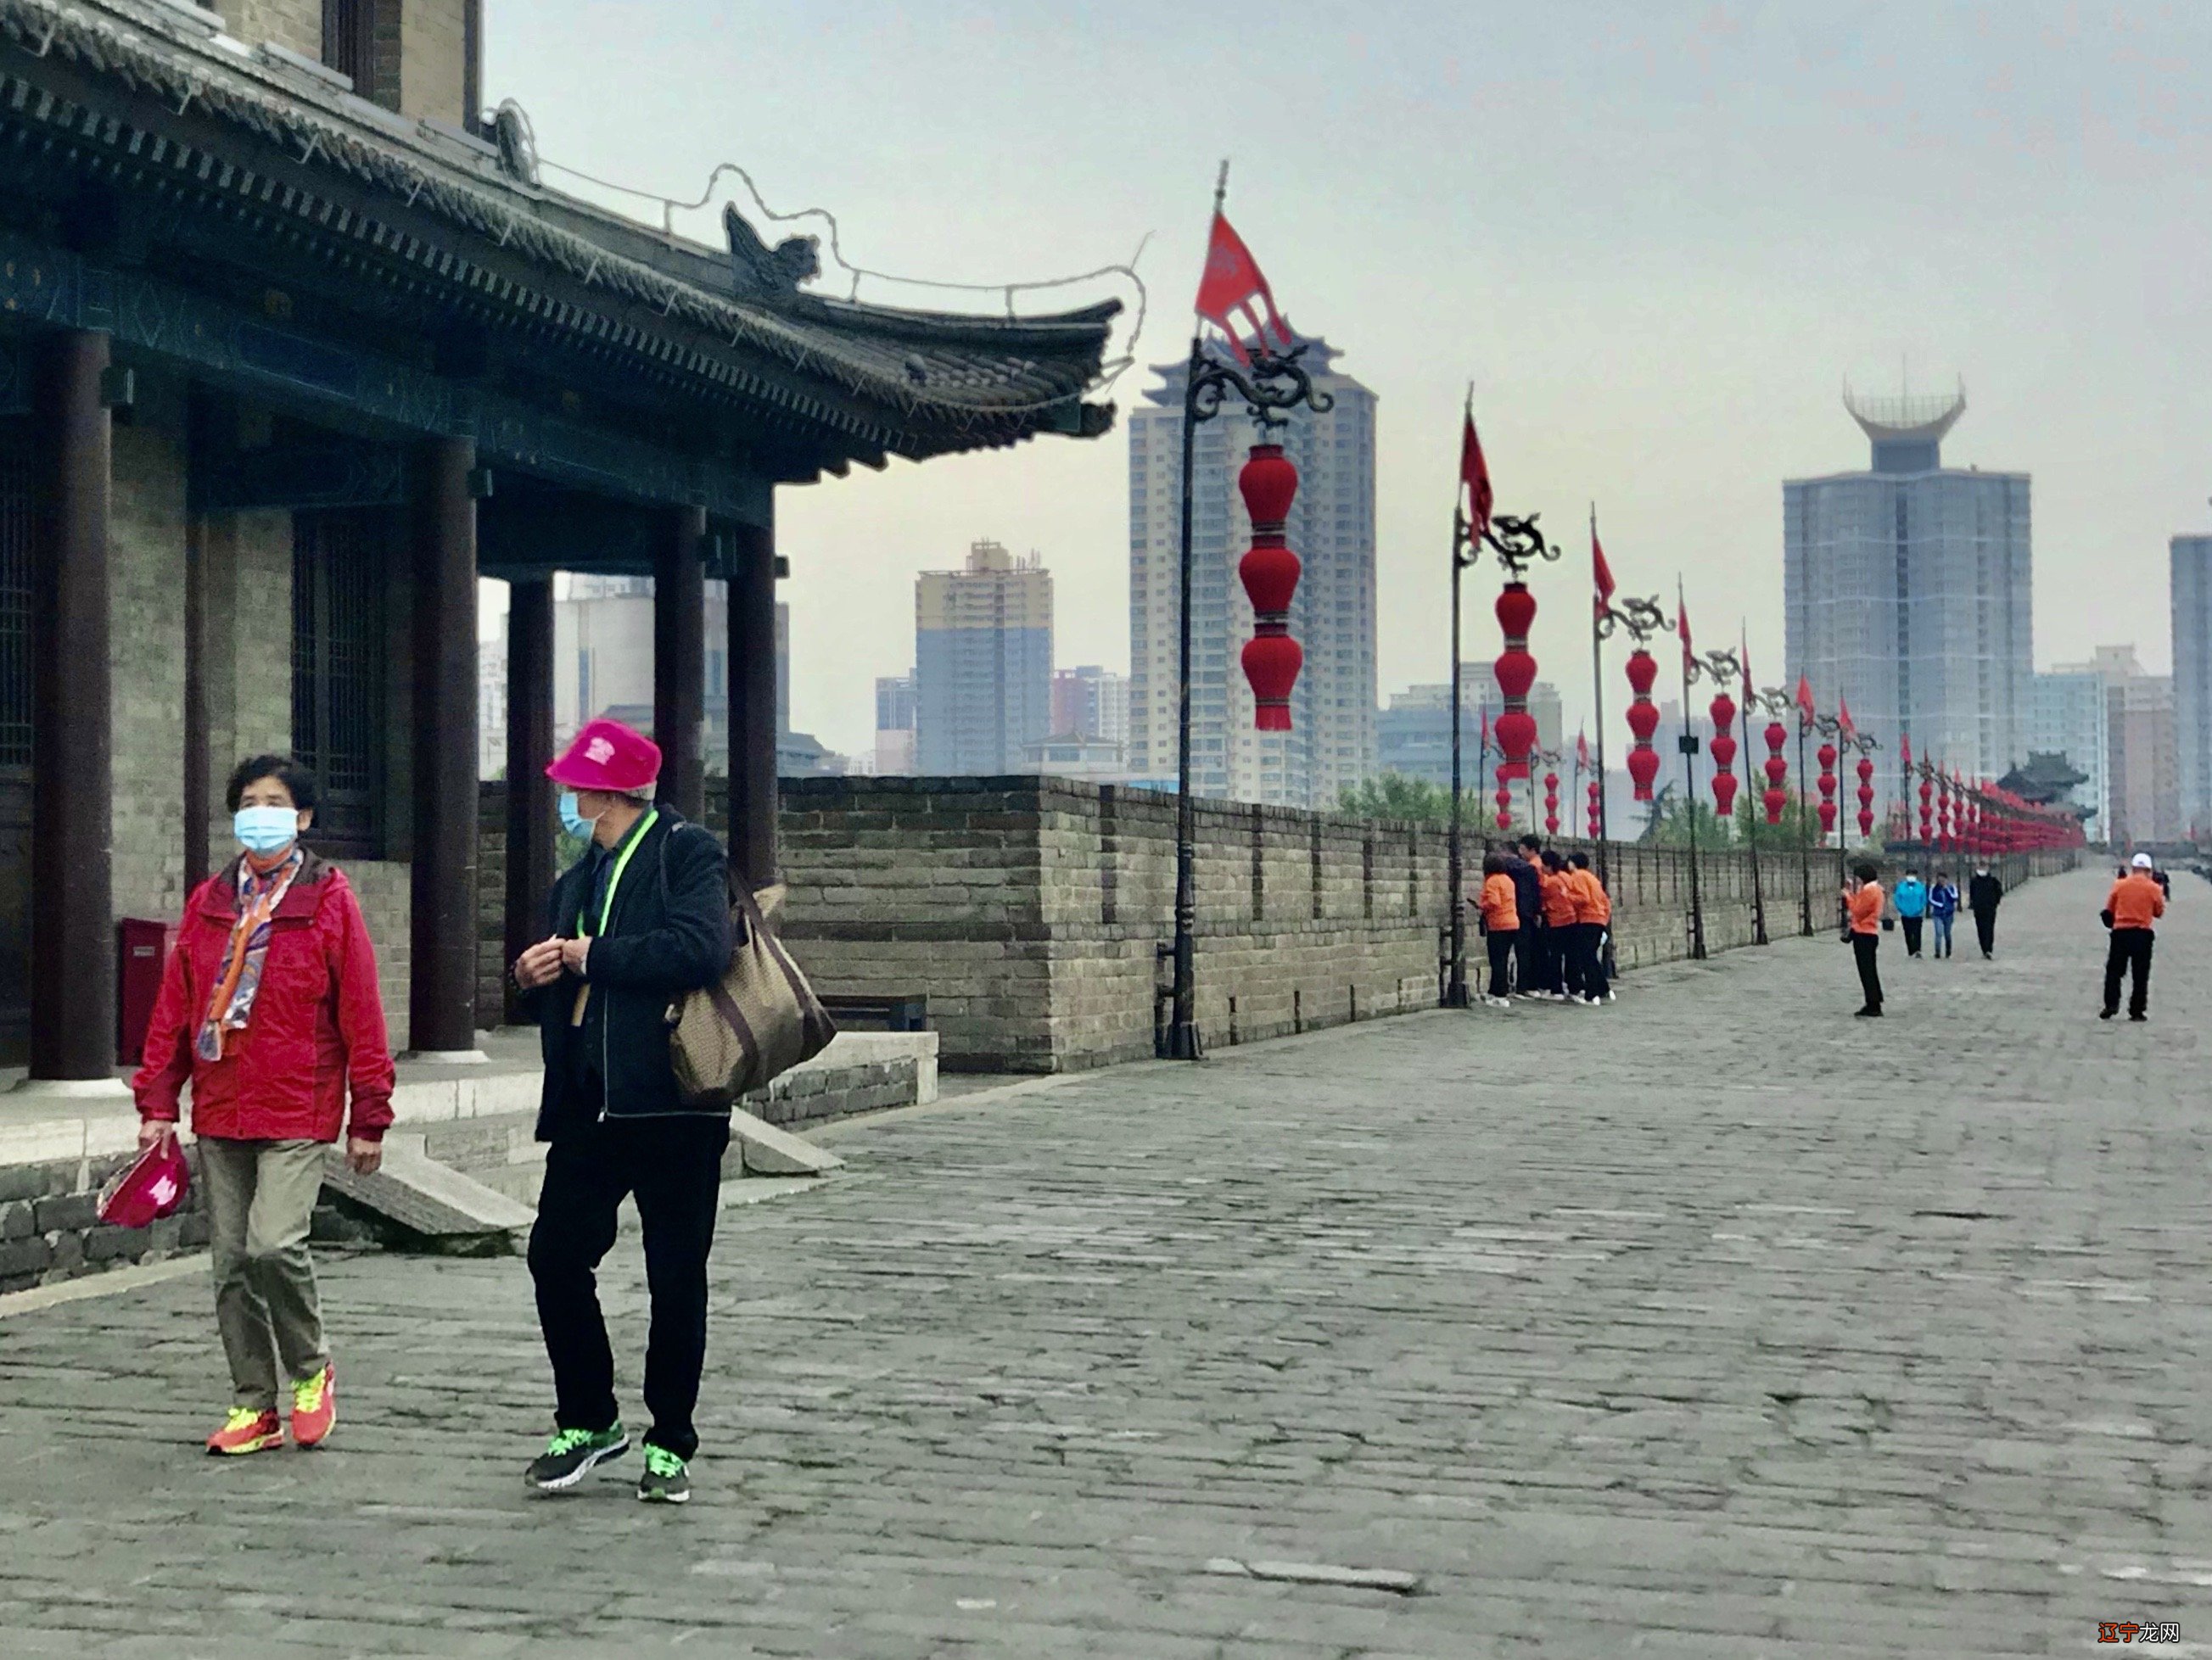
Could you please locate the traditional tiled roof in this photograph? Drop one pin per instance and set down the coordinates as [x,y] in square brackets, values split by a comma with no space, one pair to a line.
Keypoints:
[217,114]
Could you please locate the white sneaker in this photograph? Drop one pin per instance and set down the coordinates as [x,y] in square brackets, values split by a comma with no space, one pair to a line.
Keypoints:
[1499,1003]
[1592,1002]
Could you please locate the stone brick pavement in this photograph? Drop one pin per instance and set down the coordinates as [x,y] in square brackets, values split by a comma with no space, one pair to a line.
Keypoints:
[1711,1323]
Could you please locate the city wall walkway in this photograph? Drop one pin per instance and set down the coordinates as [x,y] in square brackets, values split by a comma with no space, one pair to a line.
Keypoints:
[1712,1322]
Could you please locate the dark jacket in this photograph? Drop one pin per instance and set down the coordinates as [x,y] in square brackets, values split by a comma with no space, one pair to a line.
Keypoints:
[1983,893]
[1527,889]
[668,932]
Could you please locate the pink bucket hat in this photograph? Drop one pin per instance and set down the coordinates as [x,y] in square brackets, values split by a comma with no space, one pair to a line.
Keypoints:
[608,755]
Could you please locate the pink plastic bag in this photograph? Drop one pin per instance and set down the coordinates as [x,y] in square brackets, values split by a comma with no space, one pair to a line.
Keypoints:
[152,1188]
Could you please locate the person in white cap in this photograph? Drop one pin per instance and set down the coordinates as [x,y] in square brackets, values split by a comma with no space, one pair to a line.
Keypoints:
[2135,902]
[642,918]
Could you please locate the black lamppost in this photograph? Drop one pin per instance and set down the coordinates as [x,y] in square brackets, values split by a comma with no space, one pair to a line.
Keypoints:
[1270,382]
[1721,666]
[1643,618]
[1518,544]
[1776,702]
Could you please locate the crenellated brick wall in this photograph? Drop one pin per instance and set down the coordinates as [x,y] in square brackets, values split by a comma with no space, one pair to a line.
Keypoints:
[1032,911]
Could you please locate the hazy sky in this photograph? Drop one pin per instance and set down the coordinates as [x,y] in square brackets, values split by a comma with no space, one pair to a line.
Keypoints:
[1656,237]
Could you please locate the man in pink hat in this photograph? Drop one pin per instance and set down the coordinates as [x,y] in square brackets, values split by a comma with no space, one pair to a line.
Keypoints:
[642,918]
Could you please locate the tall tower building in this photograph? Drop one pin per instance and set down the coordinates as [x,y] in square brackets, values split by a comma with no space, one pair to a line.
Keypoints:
[2192,679]
[1907,591]
[1331,744]
[982,664]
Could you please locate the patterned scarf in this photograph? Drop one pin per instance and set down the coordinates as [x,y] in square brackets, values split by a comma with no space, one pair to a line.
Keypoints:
[260,893]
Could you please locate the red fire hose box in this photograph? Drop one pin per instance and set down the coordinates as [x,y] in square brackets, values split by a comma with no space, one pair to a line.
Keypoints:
[141,951]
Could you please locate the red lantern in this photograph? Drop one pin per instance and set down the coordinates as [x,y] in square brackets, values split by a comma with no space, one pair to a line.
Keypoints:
[1505,800]
[1643,721]
[1927,811]
[1827,756]
[1723,710]
[1269,483]
[1516,672]
[1866,796]
[1777,770]
[1552,802]
[1596,813]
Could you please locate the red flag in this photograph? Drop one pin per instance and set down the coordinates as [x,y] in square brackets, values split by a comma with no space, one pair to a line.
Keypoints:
[1582,750]
[1232,283]
[1682,620]
[1485,731]
[1750,688]
[1905,752]
[1601,572]
[1843,716]
[1805,697]
[1475,477]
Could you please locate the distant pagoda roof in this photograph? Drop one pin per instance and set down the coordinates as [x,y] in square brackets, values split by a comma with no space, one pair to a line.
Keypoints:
[2045,779]
[154,97]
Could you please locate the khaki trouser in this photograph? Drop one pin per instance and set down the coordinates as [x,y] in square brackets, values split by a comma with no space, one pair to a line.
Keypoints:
[261,1199]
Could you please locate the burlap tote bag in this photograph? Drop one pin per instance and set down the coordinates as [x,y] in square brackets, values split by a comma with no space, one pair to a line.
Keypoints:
[760,1019]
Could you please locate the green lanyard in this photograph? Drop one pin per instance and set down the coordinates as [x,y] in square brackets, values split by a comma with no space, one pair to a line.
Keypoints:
[622,863]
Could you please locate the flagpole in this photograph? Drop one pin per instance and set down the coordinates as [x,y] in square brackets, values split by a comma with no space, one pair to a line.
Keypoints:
[1804,831]
[1182,1043]
[1687,744]
[1597,694]
[1455,872]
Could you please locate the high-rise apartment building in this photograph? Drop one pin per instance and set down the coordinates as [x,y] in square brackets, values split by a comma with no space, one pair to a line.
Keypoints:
[1091,702]
[895,713]
[2192,681]
[1907,591]
[1413,735]
[1332,739]
[2143,794]
[2067,715]
[982,664]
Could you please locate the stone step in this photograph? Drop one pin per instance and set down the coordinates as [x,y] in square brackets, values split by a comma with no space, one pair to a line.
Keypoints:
[425,1205]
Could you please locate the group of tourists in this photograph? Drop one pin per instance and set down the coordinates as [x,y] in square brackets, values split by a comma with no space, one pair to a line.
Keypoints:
[269,1009]
[2137,900]
[1545,918]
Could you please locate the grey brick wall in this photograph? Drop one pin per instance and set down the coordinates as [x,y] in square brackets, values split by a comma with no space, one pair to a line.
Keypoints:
[432,43]
[146,591]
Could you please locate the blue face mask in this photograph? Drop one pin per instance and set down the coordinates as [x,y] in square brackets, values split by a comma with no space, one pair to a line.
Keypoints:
[265,829]
[572,821]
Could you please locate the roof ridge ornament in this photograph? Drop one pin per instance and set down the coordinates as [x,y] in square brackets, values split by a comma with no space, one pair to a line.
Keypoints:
[766,272]
[517,140]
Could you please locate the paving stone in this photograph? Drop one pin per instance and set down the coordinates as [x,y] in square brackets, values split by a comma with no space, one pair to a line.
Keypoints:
[1711,1323]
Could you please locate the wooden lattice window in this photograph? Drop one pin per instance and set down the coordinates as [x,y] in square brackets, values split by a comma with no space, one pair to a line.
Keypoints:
[349,40]
[340,561]
[14,596]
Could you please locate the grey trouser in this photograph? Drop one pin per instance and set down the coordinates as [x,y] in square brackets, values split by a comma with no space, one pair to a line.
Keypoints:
[261,1199]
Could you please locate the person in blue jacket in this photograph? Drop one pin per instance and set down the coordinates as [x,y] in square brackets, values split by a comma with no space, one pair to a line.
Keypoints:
[1910,899]
[1943,910]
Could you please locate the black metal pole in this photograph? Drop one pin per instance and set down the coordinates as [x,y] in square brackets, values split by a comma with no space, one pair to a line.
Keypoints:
[1455,878]
[1688,745]
[1182,1043]
[1751,820]
[1804,838]
[1597,694]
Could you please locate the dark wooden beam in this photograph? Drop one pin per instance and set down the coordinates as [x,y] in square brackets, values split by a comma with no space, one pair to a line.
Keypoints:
[529,748]
[441,993]
[753,796]
[679,659]
[72,859]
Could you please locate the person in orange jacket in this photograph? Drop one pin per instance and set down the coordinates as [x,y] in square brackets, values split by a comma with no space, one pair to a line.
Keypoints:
[1562,975]
[1592,917]
[1501,925]
[1862,906]
[2135,903]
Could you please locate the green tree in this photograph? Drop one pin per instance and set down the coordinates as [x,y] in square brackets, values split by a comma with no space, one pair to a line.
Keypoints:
[1403,800]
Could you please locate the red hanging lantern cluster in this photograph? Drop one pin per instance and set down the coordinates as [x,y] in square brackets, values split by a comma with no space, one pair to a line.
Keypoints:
[1269,483]
[1826,782]
[1505,800]
[1596,810]
[1551,803]
[1775,797]
[1723,710]
[1927,811]
[1643,721]
[1516,672]
[1866,797]
[1944,837]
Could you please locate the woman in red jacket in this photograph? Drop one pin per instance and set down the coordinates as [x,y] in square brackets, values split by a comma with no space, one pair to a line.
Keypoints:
[268,1005]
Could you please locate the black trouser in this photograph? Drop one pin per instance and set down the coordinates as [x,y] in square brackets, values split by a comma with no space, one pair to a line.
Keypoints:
[1589,957]
[2129,953]
[1985,929]
[1527,963]
[674,1167]
[1566,959]
[1863,946]
[1501,956]
[1912,927]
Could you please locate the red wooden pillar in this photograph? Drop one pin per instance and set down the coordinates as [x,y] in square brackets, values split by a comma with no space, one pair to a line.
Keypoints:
[442,981]
[72,754]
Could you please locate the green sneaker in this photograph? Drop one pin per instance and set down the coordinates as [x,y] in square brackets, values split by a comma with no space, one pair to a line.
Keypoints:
[665,1480]
[569,1455]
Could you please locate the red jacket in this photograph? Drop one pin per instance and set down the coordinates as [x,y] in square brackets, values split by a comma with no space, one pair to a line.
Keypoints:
[317,1025]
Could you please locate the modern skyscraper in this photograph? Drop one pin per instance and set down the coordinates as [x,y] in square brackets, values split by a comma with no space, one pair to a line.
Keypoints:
[1413,735]
[2143,795]
[2067,715]
[1907,590]
[2192,679]
[1332,529]
[982,664]
[895,713]
[1091,702]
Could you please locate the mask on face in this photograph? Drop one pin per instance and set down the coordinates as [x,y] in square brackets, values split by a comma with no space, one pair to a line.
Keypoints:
[265,829]
[573,821]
